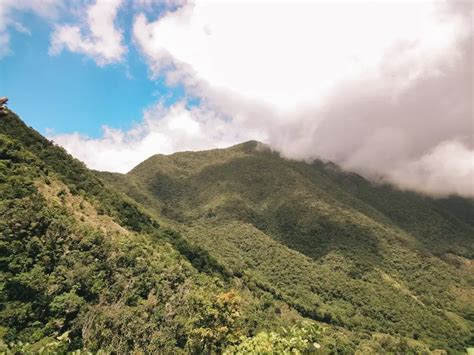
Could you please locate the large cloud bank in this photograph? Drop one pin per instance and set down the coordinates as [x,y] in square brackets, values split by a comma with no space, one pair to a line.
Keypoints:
[384,89]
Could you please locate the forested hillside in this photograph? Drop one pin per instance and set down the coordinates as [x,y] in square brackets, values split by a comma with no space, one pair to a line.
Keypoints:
[234,250]
[334,246]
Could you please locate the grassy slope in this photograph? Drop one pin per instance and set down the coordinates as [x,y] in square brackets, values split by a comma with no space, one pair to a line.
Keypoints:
[333,245]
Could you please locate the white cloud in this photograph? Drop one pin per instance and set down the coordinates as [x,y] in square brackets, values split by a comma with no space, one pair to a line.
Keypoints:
[97,36]
[47,9]
[284,53]
[163,130]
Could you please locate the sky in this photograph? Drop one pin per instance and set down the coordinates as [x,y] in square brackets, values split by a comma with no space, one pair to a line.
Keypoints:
[382,88]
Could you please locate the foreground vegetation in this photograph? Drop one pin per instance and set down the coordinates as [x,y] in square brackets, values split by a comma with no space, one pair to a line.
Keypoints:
[231,251]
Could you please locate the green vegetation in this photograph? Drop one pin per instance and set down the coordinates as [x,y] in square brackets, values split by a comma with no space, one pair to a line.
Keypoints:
[294,340]
[335,247]
[232,251]
[76,274]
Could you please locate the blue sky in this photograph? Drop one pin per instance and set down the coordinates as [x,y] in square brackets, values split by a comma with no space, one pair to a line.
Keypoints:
[70,92]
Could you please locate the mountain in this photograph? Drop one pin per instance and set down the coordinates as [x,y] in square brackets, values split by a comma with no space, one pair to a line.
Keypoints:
[334,246]
[230,250]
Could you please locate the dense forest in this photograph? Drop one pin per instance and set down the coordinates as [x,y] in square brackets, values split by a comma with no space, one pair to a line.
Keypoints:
[232,251]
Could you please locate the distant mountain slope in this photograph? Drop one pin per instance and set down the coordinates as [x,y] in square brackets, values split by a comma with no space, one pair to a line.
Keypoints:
[336,247]
[255,173]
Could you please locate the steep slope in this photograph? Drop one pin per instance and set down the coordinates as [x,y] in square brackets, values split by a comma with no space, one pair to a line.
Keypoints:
[329,243]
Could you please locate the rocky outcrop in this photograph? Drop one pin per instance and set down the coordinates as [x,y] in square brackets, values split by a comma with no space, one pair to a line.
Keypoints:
[3,105]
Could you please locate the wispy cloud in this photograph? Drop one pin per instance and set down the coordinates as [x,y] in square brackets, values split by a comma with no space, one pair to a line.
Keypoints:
[96,35]
[163,130]
[47,9]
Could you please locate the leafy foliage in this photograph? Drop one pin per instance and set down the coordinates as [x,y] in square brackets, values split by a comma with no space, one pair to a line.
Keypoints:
[292,340]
